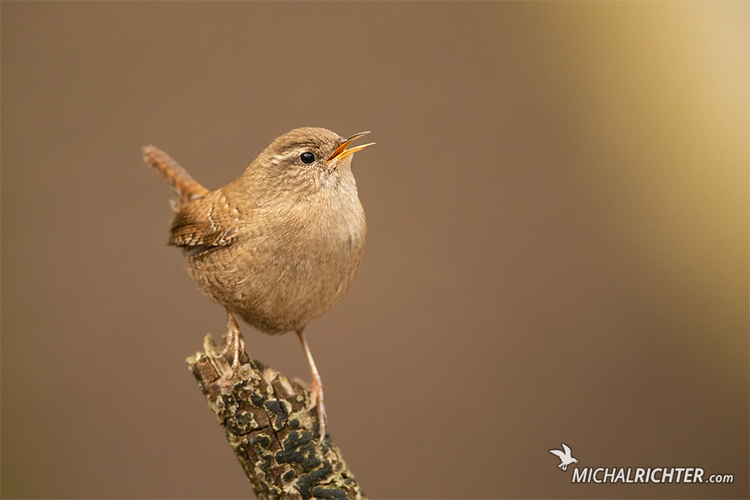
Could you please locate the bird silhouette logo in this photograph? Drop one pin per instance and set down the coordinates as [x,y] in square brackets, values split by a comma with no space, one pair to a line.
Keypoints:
[565,457]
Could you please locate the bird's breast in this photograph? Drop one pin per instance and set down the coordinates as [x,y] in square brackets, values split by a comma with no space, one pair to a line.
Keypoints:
[302,264]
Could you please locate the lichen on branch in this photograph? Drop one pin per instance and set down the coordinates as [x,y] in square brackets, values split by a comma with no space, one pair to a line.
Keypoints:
[272,426]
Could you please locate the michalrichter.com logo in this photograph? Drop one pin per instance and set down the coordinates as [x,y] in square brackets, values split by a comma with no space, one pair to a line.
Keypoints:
[656,475]
[565,456]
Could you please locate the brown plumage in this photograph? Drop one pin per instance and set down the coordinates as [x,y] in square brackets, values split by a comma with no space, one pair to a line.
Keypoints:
[282,244]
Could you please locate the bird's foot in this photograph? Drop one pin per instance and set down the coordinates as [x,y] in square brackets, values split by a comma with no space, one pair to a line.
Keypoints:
[234,343]
[316,390]
[317,402]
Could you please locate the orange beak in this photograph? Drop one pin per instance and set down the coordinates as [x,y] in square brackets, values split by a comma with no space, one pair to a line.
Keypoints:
[341,152]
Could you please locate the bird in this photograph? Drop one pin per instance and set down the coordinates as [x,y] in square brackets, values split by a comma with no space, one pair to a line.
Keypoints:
[565,457]
[280,245]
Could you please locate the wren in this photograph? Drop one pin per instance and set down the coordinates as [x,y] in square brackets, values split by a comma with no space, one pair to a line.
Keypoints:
[279,246]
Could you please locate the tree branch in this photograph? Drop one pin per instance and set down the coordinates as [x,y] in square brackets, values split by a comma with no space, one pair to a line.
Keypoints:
[273,429]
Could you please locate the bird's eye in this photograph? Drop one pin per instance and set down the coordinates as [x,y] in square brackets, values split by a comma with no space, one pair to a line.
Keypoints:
[307,157]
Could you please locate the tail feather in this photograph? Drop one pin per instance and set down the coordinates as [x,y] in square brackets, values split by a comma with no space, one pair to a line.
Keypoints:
[185,186]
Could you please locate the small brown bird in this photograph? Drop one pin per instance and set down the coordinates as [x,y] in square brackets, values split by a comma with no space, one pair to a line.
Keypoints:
[279,246]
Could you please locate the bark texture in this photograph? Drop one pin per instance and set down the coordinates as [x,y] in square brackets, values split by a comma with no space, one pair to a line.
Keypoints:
[272,427]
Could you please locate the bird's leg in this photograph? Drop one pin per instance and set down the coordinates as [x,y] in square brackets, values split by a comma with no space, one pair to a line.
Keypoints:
[234,342]
[316,387]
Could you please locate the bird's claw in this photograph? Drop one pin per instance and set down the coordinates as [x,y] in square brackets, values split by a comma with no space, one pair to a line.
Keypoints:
[316,391]
[233,343]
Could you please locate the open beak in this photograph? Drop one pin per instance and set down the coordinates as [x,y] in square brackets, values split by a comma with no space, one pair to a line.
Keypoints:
[341,152]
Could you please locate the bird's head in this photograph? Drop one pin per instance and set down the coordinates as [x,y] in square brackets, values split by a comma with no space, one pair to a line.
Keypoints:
[302,162]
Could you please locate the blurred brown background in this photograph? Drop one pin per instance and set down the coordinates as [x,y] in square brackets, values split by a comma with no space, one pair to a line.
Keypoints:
[558,245]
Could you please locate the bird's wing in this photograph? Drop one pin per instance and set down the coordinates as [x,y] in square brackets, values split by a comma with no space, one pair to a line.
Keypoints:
[566,448]
[207,222]
[558,453]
